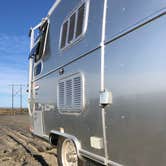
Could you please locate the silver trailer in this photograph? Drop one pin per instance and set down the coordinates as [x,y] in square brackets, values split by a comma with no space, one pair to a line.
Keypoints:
[97,81]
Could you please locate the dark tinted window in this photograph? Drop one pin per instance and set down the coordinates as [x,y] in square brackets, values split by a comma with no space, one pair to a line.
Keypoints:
[43,39]
[72,25]
[38,69]
[64,34]
[80,20]
[37,53]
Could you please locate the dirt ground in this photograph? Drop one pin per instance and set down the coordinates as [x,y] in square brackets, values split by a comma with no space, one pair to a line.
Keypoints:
[18,147]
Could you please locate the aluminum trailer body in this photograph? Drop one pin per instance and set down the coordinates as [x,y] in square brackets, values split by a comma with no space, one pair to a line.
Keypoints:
[98,78]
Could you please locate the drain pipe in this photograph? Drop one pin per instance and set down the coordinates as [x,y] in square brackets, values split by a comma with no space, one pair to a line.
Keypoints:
[102,79]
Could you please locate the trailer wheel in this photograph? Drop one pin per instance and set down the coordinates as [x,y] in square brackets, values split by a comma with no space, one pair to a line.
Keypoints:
[67,153]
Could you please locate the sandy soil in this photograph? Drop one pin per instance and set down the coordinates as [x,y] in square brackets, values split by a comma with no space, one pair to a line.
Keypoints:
[19,148]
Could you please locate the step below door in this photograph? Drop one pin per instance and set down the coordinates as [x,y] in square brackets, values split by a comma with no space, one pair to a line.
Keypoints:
[38,123]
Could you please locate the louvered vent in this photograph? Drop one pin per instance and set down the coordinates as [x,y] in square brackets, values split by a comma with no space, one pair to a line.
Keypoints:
[71,95]
[77,91]
[61,94]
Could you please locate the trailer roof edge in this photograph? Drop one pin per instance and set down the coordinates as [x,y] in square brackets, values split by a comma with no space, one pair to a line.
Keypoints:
[53,7]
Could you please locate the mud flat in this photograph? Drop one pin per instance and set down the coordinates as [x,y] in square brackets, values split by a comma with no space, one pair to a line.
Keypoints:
[18,147]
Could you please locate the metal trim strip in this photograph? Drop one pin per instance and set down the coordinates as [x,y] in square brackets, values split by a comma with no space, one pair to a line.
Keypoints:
[83,153]
[75,59]
[138,25]
[97,158]
[73,138]
[55,5]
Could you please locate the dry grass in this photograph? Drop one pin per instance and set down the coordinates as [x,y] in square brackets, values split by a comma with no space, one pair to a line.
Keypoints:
[8,111]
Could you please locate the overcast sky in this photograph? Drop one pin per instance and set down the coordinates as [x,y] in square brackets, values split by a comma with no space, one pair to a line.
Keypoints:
[16,17]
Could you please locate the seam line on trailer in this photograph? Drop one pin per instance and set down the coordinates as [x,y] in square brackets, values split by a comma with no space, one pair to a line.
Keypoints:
[97,158]
[75,59]
[138,25]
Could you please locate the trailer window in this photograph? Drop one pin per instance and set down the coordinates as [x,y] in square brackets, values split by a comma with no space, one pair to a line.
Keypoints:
[75,25]
[39,49]
[44,37]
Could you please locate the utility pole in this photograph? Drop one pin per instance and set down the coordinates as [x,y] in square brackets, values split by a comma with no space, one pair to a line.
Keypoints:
[21,97]
[13,95]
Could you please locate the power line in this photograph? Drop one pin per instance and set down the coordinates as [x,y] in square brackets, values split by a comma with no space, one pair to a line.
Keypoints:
[13,94]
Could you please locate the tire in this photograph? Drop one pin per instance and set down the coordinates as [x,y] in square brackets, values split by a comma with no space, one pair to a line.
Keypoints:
[62,148]
[67,153]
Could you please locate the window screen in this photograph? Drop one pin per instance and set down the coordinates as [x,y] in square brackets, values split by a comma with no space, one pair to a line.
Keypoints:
[72,26]
[80,20]
[64,34]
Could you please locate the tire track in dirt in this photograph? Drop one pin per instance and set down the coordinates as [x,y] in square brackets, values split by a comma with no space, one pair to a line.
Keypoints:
[13,154]
[41,152]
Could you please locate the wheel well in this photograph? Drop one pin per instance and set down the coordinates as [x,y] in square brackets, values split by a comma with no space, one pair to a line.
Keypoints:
[56,135]
[53,139]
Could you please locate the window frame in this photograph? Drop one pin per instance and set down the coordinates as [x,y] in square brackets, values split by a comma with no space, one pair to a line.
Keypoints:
[46,38]
[41,42]
[84,28]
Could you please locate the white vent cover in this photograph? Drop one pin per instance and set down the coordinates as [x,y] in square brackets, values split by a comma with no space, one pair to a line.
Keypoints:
[71,93]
